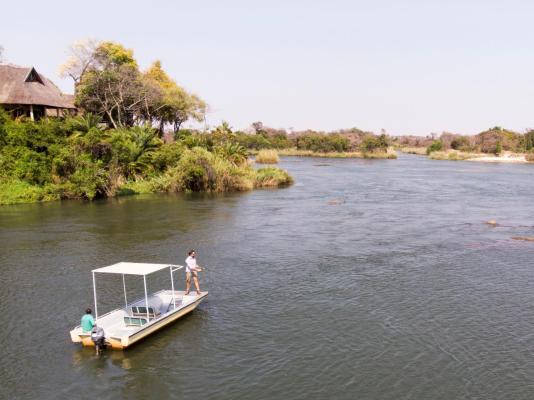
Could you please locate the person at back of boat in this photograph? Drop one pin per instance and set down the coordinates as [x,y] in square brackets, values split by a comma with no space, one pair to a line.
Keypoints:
[191,271]
[88,321]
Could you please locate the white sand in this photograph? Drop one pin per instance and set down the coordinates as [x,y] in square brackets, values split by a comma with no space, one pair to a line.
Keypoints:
[505,157]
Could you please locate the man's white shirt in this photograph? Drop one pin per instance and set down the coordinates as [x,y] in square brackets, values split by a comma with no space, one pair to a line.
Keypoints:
[190,264]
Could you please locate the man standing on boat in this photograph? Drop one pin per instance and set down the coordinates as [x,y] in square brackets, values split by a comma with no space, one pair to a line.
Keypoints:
[191,271]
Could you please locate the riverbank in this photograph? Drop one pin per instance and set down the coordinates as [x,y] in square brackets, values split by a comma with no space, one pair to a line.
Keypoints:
[420,151]
[390,154]
[78,158]
[455,155]
[19,192]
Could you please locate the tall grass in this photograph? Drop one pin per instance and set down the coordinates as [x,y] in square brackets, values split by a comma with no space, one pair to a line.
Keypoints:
[413,150]
[267,156]
[390,154]
[453,155]
[272,177]
[16,191]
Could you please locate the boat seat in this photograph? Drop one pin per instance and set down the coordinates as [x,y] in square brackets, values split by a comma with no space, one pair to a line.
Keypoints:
[140,311]
[135,321]
[177,303]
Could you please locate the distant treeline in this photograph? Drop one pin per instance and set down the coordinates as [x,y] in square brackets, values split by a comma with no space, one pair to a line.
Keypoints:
[260,137]
[491,141]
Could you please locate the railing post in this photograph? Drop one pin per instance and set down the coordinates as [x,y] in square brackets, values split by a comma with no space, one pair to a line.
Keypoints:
[146,300]
[124,287]
[172,286]
[94,294]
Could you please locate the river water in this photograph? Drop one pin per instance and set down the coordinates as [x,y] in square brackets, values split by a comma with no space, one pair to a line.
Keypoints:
[367,279]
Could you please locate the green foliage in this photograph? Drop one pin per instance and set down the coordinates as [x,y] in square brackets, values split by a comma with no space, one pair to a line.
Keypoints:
[200,170]
[233,152]
[436,145]
[254,141]
[272,177]
[77,159]
[322,143]
[371,143]
[460,143]
[498,148]
[16,191]
[529,140]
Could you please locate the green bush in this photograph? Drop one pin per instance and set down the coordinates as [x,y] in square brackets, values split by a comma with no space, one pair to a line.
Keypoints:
[498,148]
[322,143]
[436,145]
[371,143]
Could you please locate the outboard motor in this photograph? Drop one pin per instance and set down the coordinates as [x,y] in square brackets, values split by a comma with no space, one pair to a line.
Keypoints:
[99,339]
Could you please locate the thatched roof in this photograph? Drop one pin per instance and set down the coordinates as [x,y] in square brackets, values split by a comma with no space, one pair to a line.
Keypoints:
[23,85]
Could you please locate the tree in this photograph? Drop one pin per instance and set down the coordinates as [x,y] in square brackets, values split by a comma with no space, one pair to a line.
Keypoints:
[108,83]
[111,86]
[176,105]
[81,58]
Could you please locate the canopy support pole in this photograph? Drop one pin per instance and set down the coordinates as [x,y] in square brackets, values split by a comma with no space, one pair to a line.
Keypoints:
[172,286]
[146,301]
[94,294]
[124,287]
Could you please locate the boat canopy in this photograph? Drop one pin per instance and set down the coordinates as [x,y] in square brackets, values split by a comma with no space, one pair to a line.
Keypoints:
[129,268]
[139,269]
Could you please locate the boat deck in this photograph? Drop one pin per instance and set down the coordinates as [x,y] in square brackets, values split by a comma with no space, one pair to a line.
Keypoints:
[160,305]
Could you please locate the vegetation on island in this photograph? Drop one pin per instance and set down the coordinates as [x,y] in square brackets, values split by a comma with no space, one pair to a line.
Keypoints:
[118,144]
[339,144]
[448,146]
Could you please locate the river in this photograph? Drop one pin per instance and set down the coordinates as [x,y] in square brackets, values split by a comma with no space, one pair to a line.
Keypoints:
[367,279]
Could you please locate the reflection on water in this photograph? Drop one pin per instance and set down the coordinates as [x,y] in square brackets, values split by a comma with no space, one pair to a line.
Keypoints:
[368,279]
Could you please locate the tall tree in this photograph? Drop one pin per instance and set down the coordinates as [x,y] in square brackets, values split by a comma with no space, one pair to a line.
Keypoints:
[81,58]
[177,105]
[108,83]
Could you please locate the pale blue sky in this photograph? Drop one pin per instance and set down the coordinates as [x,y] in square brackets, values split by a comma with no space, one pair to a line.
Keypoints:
[405,66]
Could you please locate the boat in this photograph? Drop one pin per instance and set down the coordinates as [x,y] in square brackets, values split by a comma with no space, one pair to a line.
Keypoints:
[141,317]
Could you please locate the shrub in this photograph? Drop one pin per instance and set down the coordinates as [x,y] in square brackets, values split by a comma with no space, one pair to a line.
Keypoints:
[199,170]
[267,157]
[371,143]
[498,148]
[322,143]
[436,145]
[166,156]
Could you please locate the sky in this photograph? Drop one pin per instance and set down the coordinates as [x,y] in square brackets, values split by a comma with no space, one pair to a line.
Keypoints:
[409,67]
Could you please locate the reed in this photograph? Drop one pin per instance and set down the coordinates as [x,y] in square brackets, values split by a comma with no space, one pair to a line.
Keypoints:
[390,154]
[272,177]
[413,150]
[267,157]
[453,155]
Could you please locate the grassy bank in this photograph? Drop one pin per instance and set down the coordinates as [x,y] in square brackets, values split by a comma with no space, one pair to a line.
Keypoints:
[390,154]
[421,151]
[453,155]
[175,181]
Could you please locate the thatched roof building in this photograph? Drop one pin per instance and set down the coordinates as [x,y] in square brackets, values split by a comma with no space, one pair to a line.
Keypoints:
[24,91]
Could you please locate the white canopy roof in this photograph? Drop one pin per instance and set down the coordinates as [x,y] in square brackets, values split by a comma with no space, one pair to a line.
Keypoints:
[129,268]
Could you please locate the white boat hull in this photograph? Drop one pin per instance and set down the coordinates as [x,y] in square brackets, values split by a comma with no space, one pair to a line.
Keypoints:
[120,337]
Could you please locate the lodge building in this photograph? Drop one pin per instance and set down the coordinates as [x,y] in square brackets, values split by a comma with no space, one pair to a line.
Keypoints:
[25,92]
